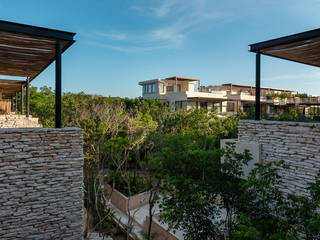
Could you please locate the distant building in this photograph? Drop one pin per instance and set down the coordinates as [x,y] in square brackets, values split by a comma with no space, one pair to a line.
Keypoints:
[187,93]
[242,97]
[181,92]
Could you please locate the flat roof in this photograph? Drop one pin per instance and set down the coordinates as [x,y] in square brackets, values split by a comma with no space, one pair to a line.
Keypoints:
[302,47]
[26,51]
[181,78]
[149,81]
[169,78]
[250,86]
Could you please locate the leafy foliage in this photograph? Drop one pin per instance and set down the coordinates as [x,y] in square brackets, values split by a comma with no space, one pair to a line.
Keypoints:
[191,204]
[122,135]
[137,184]
[144,145]
[293,115]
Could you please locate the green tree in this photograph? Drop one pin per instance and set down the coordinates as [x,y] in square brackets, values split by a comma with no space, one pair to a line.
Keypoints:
[269,214]
[189,165]
[198,186]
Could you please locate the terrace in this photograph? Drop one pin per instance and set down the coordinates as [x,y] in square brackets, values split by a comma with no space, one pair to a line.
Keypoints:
[296,143]
[25,52]
[40,168]
[301,48]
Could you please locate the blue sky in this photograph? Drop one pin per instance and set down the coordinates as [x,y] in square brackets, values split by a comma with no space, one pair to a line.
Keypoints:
[122,42]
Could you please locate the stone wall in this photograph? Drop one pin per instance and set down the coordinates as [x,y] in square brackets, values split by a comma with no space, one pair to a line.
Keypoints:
[18,121]
[298,144]
[41,183]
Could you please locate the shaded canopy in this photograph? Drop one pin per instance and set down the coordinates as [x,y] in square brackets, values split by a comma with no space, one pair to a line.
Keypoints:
[301,47]
[182,79]
[9,88]
[25,51]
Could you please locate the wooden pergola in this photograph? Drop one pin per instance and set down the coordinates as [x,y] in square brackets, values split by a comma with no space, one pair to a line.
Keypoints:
[176,79]
[301,48]
[26,51]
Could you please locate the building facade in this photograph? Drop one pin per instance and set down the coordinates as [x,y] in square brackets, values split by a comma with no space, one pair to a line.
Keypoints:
[187,93]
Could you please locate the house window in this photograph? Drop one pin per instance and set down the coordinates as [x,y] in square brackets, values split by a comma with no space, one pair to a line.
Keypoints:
[180,104]
[161,87]
[230,107]
[149,88]
[153,88]
[204,105]
[169,88]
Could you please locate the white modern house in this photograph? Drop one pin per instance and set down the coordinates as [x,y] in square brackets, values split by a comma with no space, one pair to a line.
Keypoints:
[181,92]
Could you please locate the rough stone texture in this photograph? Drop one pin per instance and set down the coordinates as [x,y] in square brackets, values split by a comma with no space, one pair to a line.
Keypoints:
[298,144]
[18,121]
[41,183]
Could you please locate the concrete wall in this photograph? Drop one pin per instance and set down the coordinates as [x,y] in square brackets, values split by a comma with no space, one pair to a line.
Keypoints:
[160,232]
[5,107]
[298,144]
[41,183]
[253,147]
[121,201]
[18,121]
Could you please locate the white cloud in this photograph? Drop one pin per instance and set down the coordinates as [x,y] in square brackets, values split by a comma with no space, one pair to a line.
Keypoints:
[172,22]
[308,82]
[128,49]
[165,8]
[167,35]
[109,46]
[306,78]
[112,35]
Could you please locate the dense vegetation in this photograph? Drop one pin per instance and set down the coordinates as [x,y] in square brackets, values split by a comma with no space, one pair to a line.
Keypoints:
[137,145]
[286,95]
[293,114]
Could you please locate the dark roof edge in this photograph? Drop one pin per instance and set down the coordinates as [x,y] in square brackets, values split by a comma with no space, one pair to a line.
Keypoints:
[255,47]
[35,31]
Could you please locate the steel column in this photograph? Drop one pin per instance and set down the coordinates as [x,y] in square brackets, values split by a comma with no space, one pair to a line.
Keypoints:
[27,97]
[12,103]
[21,99]
[58,84]
[258,71]
[16,107]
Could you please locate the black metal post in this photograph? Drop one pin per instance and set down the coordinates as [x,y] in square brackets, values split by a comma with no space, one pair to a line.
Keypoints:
[58,84]
[16,107]
[21,99]
[258,71]
[27,97]
[12,103]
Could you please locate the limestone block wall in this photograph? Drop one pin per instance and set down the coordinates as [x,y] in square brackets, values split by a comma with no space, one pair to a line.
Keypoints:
[298,144]
[41,183]
[18,121]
